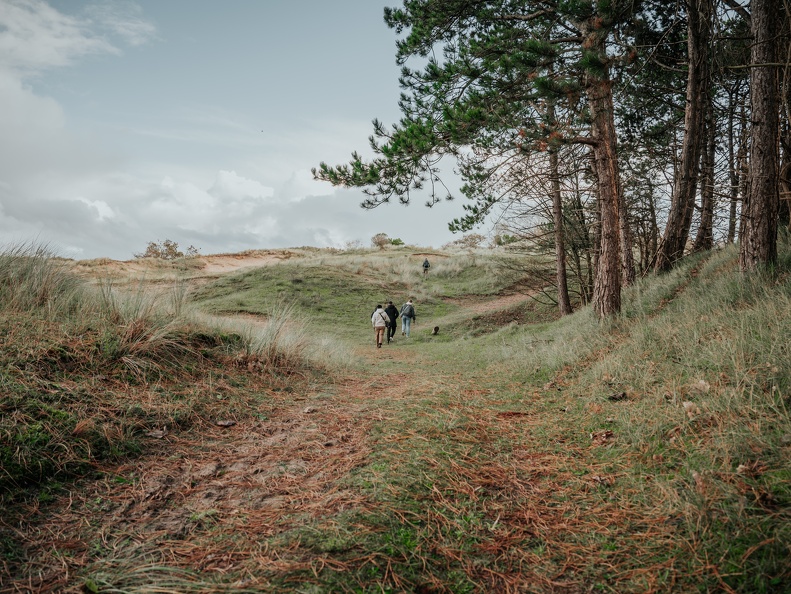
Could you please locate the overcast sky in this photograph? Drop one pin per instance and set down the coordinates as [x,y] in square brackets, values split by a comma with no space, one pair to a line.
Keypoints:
[125,122]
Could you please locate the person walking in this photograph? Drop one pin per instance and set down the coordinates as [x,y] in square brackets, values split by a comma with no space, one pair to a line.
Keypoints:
[392,313]
[407,317]
[379,319]
[426,266]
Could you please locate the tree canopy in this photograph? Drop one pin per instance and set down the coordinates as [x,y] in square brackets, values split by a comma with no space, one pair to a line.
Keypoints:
[499,82]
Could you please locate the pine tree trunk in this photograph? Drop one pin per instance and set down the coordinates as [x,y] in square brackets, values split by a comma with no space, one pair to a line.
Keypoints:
[733,166]
[627,241]
[704,240]
[583,251]
[596,243]
[682,203]
[598,87]
[743,167]
[654,237]
[784,216]
[758,243]
[560,245]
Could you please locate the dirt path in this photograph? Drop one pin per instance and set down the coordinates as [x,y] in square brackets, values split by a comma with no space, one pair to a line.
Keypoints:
[194,492]
[203,499]
[497,303]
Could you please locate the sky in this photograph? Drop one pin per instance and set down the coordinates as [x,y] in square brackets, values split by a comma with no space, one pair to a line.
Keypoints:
[195,121]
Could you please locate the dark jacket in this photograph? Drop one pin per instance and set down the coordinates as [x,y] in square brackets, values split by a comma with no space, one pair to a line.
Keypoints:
[392,313]
[408,311]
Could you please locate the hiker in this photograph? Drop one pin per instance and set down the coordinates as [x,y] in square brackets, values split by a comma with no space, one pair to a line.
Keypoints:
[426,266]
[407,316]
[380,320]
[392,313]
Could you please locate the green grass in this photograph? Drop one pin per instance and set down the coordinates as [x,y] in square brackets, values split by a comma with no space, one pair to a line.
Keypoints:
[338,292]
[522,452]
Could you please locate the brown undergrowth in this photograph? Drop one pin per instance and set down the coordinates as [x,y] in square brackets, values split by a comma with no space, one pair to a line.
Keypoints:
[410,479]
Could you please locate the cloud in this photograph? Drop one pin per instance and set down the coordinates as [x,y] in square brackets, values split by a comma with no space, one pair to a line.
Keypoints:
[34,36]
[300,185]
[124,20]
[101,208]
[230,185]
[231,203]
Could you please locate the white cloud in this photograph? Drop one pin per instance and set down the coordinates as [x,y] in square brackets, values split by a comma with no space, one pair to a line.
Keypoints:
[231,205]
[34,36]
[231,185]
[182,205]
[300,185]
[124,20]
[101,208]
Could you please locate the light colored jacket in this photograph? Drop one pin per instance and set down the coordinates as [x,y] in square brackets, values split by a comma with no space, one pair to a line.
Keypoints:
[380,319]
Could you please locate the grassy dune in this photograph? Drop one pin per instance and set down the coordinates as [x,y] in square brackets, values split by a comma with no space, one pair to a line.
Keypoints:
[237,431]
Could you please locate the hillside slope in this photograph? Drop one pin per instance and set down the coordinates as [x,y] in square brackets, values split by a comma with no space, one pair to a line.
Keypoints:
[511,452]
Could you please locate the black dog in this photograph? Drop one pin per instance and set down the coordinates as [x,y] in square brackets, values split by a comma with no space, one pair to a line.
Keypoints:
[436,331]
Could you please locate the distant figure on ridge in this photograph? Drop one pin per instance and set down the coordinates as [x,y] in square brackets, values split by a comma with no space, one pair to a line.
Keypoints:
[407,315]
[392,313]
[426,266]
[380,320]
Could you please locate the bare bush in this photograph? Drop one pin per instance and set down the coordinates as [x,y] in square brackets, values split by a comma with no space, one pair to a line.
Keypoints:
[166,250]
[380,240]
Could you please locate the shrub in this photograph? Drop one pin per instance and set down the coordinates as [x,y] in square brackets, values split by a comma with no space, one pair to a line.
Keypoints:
[380,240]
[471,241]
[166,250]
[505,239]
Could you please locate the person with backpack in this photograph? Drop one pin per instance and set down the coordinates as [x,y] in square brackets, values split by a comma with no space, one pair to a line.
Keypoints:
[426,266]
[380,320]
[392,313]
[407,316]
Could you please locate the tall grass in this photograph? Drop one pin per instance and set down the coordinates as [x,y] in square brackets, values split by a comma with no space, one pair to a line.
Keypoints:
[32,279]
[86,369]
[139,328]
[279,339]
[694,382]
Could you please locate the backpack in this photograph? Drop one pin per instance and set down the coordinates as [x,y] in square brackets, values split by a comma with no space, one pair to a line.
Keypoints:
[408,311]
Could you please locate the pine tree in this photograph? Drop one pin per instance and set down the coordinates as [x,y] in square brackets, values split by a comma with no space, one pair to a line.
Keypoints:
[758,242]
[503,63]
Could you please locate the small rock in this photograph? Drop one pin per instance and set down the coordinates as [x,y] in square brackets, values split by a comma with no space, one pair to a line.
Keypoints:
[158,433]
[225,423]
[309,409]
